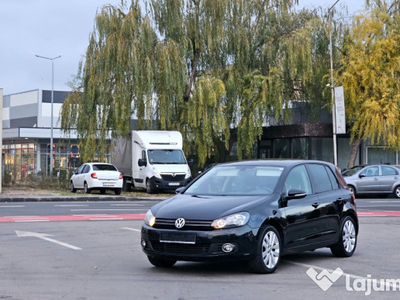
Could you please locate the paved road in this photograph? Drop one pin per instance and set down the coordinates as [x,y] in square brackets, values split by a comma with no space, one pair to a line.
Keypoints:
[103,260]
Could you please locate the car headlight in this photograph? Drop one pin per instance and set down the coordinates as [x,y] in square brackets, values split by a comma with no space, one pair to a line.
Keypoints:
[188,173]
[235,220]
[156,173]
[149,219]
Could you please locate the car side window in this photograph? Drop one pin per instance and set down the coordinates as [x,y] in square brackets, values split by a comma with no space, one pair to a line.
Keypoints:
[371,171]
[86,169]
[321,179]
[298,179]
[332,177]
[79,171]
[144,155]
[388,171]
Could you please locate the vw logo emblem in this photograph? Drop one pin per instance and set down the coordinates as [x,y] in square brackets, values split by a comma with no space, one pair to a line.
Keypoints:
[173,174]
[179,223]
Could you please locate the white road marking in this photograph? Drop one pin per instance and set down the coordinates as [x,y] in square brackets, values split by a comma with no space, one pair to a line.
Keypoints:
[11,206]
[131,229]
[45,237]
[71,205]
[106,209]
[133,204]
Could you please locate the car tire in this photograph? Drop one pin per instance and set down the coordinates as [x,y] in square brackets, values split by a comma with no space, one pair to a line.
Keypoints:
[72,188]
[127,187]
[161,263]
[347,243]
[86,188]
[396,192]
[149,188]
[268,254]
[117,191]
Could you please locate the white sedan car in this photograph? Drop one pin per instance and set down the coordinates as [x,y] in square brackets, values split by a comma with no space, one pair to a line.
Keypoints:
[97,176]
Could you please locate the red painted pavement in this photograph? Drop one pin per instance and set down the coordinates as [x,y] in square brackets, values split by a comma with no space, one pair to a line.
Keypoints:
[378,213]
[72,218]
[19,219]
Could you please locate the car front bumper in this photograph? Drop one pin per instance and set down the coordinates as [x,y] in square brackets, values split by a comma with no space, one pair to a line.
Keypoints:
[163,184]
[235,243]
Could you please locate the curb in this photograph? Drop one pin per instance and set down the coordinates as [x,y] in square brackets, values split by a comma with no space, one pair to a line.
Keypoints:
[57,198]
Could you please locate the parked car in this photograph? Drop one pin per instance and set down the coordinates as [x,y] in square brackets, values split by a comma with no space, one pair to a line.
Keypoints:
[97,176]
[256,211]
[374,179]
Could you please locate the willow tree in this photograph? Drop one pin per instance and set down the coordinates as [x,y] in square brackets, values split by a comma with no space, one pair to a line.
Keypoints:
[370,74]
[214,70]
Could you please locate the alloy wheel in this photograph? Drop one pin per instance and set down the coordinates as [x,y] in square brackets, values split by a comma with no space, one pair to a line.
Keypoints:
[271,249]
[349,236]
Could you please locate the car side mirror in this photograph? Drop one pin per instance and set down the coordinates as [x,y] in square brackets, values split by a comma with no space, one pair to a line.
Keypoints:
[142,162]
[296,194]
[179,190]
[362,175]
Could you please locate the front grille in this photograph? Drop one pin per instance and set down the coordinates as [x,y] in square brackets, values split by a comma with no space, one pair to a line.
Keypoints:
[171,177]
[189,224]
[186,248]
[180,248]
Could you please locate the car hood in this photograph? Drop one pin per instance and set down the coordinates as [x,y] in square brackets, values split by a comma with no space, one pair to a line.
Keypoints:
[206,207]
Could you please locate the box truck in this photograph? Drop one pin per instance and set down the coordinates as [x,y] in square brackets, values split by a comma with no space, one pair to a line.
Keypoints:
[153,160]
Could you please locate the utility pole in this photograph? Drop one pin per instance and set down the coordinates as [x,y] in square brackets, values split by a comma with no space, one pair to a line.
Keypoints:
[52,101]
[335,160]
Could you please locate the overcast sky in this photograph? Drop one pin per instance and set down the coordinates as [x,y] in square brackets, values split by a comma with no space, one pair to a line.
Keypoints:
[59,27]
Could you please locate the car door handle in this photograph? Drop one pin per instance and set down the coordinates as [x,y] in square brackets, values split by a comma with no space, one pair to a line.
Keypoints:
[315,204]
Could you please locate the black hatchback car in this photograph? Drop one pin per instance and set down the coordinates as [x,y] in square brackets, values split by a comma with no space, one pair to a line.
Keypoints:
[253,210]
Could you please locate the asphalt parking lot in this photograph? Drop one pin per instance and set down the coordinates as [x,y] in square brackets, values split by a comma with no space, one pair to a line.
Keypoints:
[104,260]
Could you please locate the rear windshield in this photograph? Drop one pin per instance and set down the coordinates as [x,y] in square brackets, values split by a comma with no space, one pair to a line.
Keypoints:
[104,168]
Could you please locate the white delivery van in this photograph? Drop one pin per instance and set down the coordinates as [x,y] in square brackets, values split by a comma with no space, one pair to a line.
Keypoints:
[153,160]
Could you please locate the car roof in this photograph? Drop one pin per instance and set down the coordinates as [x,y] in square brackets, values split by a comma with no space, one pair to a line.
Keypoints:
[273,162]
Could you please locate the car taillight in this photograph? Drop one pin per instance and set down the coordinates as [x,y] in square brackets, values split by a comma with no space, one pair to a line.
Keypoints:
[93,175]
[120,176]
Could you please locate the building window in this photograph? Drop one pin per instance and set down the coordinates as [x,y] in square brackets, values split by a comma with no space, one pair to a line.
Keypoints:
[322,149]
[282,148]
[378,155]
[300,148]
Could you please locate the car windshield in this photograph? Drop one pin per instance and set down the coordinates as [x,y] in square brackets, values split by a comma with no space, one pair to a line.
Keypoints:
[352,171]
[166,156]
[100,167]
[237,180]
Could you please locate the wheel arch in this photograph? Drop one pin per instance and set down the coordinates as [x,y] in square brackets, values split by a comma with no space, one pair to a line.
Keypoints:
[353,188]
[274,223]
[394,190]
[353,215]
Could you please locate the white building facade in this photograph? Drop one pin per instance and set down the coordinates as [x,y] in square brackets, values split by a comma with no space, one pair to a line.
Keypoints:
[27,132]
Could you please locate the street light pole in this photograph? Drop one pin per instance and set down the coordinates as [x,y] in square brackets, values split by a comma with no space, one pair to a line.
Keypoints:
[332,87]
[52,101]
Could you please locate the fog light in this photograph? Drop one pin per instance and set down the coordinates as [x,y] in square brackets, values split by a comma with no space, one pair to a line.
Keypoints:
[143,242]
[228,247]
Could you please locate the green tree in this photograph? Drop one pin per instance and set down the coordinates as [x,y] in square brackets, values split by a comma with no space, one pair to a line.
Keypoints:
[369,72]
[214,70]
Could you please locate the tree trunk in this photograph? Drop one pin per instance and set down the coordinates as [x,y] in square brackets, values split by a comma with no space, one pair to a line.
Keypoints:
[353,152]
